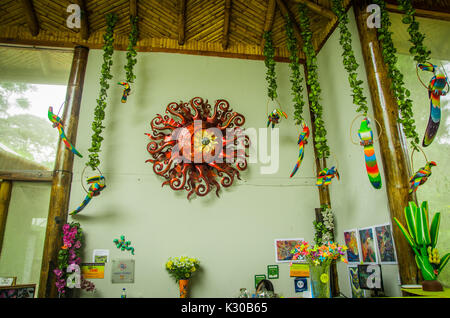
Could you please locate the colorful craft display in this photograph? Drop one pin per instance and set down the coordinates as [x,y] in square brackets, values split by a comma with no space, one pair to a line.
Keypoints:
[302,141]
[326,175]
[57,123]
[423,237]
[420,177]
[123,245]
[126,91]
[365,133]
[275,116]
[435,91]
[200,148]
[97,184]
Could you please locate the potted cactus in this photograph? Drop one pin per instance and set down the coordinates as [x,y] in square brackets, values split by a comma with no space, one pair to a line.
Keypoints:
[423,239]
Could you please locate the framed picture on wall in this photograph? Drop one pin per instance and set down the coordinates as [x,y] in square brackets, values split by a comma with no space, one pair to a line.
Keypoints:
[8,281]
[18,291]
[356,290]
[351,238]
[385,244]
[283,248]
[368,248]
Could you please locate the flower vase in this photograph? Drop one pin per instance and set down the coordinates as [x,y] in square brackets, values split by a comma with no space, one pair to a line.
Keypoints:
[320,280]
[183,288]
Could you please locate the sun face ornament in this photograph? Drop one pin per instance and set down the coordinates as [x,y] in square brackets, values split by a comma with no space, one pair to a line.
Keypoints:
[197,148]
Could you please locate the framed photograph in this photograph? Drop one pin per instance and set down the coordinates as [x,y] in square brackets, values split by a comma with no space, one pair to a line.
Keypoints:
[283,248]
[368,248]
[8,281]
[272,271]
[18,291]
[385,244]
[259,278]
[351,238]
[356,290]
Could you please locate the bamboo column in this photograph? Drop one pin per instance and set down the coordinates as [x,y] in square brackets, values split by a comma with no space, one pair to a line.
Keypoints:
[5,196]
[392,143]
[62,179]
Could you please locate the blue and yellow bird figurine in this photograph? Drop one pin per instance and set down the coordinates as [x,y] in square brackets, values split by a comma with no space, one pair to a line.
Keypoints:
[421,176]
[97,185]
[326,175]
[275,116]
[57,123]
[302,141]
[126,91]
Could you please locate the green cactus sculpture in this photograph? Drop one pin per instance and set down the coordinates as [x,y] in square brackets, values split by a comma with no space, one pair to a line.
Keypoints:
[423,239]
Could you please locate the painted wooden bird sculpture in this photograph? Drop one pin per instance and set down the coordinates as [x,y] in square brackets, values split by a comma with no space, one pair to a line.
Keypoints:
[366,135]
[420,177]
[57,123]
[275,116]
[97,185]
[435,91]
[302,141]
[126,91]
[326,175]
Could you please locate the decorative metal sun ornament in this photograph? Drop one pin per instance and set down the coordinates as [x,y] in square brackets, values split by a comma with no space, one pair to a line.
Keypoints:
[196,148]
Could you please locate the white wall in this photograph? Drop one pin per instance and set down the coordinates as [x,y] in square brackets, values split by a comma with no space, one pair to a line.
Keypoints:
[356,204]
[233,236]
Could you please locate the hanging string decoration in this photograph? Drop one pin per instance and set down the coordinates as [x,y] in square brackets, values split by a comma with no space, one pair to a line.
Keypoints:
[365,133]
[401,93]
[320,138]
[99,114]
[58,123]
[131,59]
[302,141]
[325,176]
[421,176]
[97,184]
[195,149]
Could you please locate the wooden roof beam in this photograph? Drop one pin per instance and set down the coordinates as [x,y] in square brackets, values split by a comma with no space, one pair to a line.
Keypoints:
[286,12]
[270,13]
[30,16]
[133,8]
[444,16]
[181,21]
[226,24]
[325,12]
[84,20]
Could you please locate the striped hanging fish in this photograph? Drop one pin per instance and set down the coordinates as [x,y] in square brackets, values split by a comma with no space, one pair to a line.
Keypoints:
[435,91]
[126,91]
[302,141]
[366,135]
[421,176]
[57,123]
[326,175]
[97,185]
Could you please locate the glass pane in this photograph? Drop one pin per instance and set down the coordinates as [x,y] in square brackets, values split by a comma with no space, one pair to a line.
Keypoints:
[31,80]
[23,243]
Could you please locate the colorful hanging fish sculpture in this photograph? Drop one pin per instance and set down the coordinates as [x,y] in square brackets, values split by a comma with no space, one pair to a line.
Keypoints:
[365,133]
[421,176]
[97,185]
[435,91]
[302,141]
[326,175]
[57,123]
[126,91]
[275,116]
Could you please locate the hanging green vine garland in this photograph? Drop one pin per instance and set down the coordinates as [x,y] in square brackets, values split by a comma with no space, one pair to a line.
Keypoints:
[323,151]
[398,85]
[269,54]
[296,79]
[418,50]
[131,52]
[99,113]
[349,59]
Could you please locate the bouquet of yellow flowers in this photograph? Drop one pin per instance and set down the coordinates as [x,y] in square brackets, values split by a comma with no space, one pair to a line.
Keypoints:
[182,267]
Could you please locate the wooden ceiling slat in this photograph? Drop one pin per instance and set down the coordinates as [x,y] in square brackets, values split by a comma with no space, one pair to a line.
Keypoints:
[30,15]
[226,24]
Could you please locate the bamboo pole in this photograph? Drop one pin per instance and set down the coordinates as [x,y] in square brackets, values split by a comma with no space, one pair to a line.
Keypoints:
[286,12]
[327,13]
[30,16]
[226,24]
[181,21]
[62,179]
[392,144]
[5,196]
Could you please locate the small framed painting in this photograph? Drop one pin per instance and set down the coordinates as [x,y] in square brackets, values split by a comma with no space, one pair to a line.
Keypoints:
[368,248]
[351,238]
[8,281]
[272,271]
[18,291]
[385,244]
[283,248]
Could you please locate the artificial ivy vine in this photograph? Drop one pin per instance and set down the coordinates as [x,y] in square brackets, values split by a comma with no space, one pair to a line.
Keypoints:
[296,79]
[418,50]
[323,151]
[269,54]
[349,59]
[401,93]
[99,113]
[131,52]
